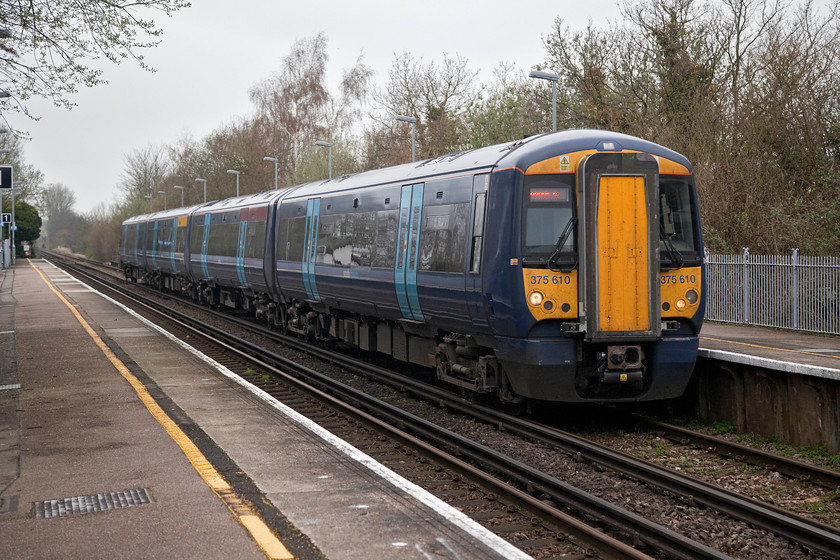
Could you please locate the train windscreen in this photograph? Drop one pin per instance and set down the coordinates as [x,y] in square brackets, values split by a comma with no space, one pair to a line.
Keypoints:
[677,224]
[549,220]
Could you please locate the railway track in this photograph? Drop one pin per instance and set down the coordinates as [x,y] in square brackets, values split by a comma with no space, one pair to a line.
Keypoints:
[528,482]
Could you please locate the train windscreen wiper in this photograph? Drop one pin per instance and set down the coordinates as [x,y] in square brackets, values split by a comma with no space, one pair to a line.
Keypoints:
[554,263]
[674,254]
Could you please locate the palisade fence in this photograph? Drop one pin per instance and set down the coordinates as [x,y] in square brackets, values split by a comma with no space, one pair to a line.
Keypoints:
[789,292]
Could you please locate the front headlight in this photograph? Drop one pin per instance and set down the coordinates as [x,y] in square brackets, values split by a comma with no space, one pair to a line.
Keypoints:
[535,298]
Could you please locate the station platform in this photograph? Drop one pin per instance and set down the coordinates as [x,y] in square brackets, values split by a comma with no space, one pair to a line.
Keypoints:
[798,353]
[119,441]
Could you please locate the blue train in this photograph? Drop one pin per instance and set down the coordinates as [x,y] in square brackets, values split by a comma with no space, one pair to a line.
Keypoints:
[562,267]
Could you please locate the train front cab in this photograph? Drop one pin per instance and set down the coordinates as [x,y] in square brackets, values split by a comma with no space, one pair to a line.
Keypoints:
[166,244]
[612,279]
[133,247]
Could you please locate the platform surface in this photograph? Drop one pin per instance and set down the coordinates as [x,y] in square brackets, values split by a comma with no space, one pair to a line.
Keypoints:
[790,352]
[76,428]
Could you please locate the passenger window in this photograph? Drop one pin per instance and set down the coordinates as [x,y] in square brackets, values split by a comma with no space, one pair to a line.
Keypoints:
[197,236]
[385,247]
[443,237]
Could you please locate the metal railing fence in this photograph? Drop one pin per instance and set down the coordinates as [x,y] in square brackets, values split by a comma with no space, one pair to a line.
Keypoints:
[784,291]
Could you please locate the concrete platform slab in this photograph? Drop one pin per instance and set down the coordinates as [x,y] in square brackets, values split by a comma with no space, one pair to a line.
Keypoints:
[85,432]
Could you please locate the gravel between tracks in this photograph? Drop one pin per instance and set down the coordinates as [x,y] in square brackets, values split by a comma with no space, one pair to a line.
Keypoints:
[705,526]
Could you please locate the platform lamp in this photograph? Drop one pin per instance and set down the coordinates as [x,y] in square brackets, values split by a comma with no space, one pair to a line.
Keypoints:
[148,196]
[274,159]
[413,122]
[180,188]
[164,198]
[553,78]
[204,182]
[329,146]
[235,172]
[4,93]
[12,226]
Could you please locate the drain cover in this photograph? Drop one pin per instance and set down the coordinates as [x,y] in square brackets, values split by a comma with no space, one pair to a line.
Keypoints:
[64,507]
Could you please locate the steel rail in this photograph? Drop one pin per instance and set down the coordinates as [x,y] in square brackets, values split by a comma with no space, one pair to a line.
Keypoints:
[521,475]
[785,465]
[815,535]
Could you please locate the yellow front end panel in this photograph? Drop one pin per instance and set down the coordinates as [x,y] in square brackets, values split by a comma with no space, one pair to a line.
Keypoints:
[623,269]
[550,294]
[675,289]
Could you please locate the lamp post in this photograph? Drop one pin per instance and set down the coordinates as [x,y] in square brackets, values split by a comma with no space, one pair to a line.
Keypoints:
[329,146]
[164,198]
[274,159]
[4,93]
[150,202]
[413,122]
[235,172]
[180,188]
[12,226]
[204,182]
[540,75]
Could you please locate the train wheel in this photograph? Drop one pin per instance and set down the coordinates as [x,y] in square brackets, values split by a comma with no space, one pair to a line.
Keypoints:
[520,407]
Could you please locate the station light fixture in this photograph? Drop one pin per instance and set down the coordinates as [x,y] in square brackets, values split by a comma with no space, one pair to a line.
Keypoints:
[553,78]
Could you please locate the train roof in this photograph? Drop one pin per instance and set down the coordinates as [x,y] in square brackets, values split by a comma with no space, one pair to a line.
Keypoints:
[244,201]
[519,154]
[539,148]
[164,214]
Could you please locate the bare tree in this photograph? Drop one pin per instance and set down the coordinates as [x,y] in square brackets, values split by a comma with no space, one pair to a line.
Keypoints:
[292,104]
[507,109]
[63,224]
[46,44]
[145,170]
[28,180]
[436,95]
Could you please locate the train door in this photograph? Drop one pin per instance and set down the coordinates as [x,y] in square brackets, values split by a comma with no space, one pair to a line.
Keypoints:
[151,244]
[623,267]
[310,248]
[205,240]
[621,294]
[138,244]
[473,282]
[172,245]
[408,235]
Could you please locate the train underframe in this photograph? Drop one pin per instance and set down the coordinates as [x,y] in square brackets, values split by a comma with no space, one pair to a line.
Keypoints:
[513,370]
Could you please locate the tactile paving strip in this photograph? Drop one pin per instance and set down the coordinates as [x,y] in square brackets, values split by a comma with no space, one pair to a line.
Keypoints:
[64,507]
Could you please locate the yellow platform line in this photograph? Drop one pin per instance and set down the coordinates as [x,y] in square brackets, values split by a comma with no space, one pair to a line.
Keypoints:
[242,511]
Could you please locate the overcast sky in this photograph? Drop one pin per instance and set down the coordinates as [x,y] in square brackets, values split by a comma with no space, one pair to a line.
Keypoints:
[212,53]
